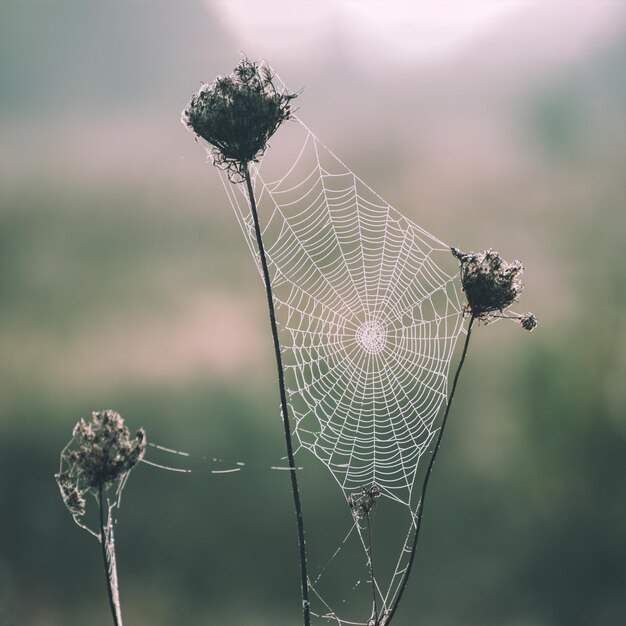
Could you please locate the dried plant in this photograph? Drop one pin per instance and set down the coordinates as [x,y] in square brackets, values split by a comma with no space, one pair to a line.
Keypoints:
[96,461]
[361,503]
[237,115]
[490,284]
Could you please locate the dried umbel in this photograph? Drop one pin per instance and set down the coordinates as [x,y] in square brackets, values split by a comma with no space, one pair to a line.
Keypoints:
[101,453]
[237,114]
[490,283]
[363,502]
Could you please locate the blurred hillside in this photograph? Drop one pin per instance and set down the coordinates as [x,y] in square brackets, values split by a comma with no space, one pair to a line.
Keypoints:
[125,283]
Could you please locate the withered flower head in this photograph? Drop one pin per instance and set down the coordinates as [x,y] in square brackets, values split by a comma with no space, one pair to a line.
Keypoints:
[237,114]
[490,283]
[104,450]
[361,503]
[100,453]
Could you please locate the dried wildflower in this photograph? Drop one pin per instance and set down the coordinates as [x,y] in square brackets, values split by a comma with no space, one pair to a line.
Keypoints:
[528,321]
[361,503]
[237,114]
[100,453]
[105,450]
[490,283]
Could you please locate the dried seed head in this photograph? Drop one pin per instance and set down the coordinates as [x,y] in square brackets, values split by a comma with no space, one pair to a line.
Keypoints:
[490,283]
[104,449]
[101,453]
[237,114]
[361,503]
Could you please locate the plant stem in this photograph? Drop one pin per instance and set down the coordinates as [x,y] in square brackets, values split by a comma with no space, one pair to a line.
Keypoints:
[109,559]
[371,560]
[420,508]
[283,402]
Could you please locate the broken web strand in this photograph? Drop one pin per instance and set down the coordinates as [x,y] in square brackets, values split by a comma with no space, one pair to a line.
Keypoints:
[321,327]
[201,464]
[378,594]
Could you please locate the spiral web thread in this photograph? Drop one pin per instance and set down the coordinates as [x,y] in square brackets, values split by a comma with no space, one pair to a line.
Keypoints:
[368,320]
[367,316]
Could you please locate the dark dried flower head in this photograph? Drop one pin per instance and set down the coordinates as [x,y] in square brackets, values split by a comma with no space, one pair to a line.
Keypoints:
[361,503]
[101,452]
[104,449]
[528,321]
[237,114]
[490,283]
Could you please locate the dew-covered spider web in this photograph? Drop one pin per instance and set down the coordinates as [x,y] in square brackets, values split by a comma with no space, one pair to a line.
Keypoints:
[369,311]
[369,319]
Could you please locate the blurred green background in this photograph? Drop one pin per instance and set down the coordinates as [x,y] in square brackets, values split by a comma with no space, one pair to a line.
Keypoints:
[125,283]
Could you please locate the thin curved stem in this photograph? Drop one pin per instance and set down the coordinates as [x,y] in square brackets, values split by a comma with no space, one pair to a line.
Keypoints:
[371,568]
[106,539]
[306,611]
[420,508]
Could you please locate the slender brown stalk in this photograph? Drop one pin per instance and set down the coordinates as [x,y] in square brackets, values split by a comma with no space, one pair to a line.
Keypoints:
[109,560]
[306,611]
[371,563]
[420,507]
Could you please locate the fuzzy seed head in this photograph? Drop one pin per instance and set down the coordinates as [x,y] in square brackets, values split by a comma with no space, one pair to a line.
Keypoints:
[490,283]
[100,453]
[237,114]
[104,449]
[361,503]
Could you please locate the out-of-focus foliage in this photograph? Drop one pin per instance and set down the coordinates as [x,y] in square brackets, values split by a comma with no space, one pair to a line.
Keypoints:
[126,284]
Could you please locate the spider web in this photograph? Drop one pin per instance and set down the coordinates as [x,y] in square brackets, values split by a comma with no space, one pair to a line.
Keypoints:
[369,311]
[368,318]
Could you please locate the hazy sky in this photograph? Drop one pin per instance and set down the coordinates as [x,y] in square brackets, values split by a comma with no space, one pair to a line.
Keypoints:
[420,29]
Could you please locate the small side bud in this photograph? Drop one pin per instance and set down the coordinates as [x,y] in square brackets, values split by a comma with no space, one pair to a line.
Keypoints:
[528,322]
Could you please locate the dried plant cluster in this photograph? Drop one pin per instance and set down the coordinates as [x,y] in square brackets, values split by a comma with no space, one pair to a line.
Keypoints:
[237,114]
[491,284]
[361,503]
[100,453]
